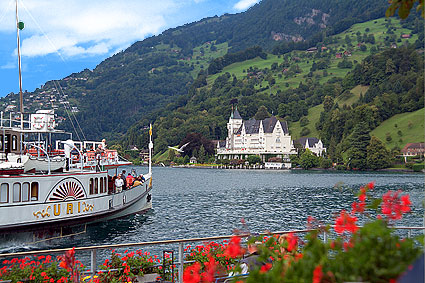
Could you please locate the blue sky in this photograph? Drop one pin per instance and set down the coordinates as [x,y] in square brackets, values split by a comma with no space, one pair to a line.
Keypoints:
[66,36]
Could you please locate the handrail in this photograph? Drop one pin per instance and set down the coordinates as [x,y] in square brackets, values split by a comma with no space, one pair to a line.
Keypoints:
[176,241]
[93,249]
[42,149]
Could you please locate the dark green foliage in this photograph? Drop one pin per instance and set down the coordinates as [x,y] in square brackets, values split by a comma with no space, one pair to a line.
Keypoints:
[359,140]
[262,113]
[308,160]
[305,132]
[254,159]
[378,156]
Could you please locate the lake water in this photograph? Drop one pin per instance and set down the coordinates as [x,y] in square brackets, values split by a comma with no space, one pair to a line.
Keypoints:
[189,202]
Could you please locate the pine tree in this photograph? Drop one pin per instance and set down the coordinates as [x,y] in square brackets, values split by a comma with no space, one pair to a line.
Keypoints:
[378,156]
[359,141]
[262,113]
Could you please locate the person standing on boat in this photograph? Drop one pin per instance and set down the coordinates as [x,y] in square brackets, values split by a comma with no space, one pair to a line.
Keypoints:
[119,183]
[122,176]
[104,144]
[98,154]
[129,180]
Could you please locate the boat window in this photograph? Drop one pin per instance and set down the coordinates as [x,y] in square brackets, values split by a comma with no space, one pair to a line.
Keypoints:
[96,186]
[16,192]
[34,191]
[91,186]
[105,186]
[101,185]
[14,142]
[25,191]
[1,142]
[4,193]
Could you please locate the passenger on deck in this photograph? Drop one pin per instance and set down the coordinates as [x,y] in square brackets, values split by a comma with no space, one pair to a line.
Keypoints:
[98,155]
[137,182]
[119,183]
[129,180]
[142,179]
[124,180]
[104,144]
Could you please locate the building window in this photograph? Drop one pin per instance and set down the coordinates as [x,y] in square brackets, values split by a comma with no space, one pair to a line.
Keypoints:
[16,192]
[4,193]
[14,142]
[34,191]
[26,192]
[96,186]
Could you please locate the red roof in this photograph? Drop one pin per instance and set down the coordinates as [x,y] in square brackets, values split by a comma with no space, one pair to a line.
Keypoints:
[418,147]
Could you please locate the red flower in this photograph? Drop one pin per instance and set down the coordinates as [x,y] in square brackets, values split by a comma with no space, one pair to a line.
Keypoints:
[234,248]
[393,206]
[345,223]
[43,274]
[265,268]
[317,274]
[292,242]
[371,185]
[191,273]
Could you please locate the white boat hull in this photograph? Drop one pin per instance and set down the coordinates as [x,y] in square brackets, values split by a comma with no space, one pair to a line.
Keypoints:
[70,201]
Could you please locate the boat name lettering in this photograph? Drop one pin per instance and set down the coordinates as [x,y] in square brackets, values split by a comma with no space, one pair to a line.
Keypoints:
[43,213]
[71,208]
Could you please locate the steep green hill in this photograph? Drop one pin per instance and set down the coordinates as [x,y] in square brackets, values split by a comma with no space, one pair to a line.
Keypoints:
[137,84]
[402,128]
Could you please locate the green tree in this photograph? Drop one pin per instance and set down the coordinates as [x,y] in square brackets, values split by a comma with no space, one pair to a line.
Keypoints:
[328,103]
[171,154]
[378,156]
[359,141]
[201,155]
[254,159]
[262,113]
[308,160]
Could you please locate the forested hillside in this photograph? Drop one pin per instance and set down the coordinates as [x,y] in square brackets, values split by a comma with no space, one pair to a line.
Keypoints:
[137,84]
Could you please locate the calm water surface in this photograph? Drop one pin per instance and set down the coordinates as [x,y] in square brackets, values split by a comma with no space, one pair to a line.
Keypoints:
[208,202]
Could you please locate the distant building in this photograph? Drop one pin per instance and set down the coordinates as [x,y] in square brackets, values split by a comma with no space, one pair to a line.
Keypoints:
[413,149]
[193,160]
[338,55]
[312,49]
[405,36]
[266,138]
[313,144]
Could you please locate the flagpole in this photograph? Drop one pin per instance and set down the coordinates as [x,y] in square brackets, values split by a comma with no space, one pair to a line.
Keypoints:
[21,105]
[150,149]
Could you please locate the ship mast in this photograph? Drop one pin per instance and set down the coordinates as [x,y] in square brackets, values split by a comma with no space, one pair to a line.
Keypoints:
[21,105]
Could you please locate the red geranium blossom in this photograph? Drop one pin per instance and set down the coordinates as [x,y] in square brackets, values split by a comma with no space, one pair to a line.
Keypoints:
[345,223]
[317,274]
[234,248]
[191,273]
[393,206]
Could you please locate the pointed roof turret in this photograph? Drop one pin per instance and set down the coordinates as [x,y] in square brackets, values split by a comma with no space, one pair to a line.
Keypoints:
[236,114]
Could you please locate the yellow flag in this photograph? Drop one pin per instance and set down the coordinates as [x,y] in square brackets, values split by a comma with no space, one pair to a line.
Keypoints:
[150,130]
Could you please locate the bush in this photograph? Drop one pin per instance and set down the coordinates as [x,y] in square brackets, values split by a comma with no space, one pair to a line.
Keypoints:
[418,167]
[325,163]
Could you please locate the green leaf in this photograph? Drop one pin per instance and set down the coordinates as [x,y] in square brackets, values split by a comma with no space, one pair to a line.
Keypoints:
[375,204]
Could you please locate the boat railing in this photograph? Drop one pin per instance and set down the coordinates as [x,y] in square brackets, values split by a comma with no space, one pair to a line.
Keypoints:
[93,250]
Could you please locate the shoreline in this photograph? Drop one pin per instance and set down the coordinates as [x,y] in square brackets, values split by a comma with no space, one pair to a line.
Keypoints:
[217,166]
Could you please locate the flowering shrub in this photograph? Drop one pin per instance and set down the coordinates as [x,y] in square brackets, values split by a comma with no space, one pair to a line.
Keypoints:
[371,253]
[35,269]
[127,267]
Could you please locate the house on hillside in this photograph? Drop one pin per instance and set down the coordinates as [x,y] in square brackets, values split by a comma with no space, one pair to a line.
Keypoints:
[338,55]
[312,49]
[413,149]
[347,53]
[315,145]
[265,138]
[405,36]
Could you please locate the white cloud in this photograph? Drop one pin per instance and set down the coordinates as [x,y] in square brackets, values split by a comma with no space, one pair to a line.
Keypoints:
[9,65]
[245,4]
[81,27]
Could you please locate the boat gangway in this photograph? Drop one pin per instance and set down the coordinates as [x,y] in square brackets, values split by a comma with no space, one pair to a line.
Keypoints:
[93,250]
